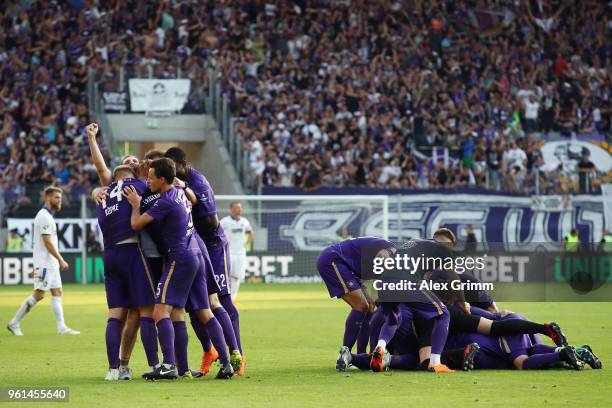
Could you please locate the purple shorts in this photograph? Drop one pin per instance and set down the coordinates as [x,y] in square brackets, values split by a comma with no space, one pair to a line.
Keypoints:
[127,278]
[211,282]
[157,267]
[198,295]
[515,345]
[177,278]
[428,308]
[336,274]
[219,258]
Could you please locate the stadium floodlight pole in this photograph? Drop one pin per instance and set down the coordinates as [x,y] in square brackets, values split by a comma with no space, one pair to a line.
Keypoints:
[84,239]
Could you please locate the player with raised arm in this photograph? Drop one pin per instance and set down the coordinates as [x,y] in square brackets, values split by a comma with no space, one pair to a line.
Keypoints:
[213,238]
[47,265]
[127,278]
[236,227]
[134,320]
[183,281]
[340,268]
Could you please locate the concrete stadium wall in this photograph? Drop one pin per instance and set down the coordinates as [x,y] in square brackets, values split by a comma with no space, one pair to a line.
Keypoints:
[198,135]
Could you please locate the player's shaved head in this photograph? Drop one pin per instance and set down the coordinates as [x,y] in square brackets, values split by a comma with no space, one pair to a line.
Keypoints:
[123,171]
[178,156]
[445,236]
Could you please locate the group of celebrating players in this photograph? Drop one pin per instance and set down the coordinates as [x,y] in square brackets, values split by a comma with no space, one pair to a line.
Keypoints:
[437,331]
[165,256]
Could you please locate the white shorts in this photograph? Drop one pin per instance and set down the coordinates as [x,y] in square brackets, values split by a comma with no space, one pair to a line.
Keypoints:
[238,263]
[47,278]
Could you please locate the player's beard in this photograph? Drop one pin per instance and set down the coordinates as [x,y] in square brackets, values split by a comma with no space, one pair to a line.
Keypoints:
[56,207]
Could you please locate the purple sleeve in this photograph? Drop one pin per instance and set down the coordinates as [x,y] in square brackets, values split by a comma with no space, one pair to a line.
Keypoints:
[205,197]
[160,209]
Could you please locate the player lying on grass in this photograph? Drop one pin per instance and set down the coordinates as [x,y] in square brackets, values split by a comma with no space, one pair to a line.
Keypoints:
[340,268]
[404,350]
[183,282]
[519,352]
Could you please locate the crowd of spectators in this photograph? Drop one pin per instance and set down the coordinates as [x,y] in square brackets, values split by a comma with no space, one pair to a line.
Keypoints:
[336,95]
[326,93]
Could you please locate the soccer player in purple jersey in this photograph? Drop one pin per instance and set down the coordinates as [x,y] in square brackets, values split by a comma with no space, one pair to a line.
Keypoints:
[213,237]
[425,305]
[183,282]
[133,320]
[405,347]
[127,278]
[340,268]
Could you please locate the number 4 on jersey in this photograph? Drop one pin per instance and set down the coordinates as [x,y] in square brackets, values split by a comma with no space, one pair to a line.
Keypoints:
[115,193]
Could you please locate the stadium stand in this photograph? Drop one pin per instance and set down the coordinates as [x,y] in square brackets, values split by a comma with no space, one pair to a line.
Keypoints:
[325,94]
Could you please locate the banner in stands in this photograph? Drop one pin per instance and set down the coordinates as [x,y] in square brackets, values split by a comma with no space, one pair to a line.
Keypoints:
[114,101]
[15,268]
[69,233]
[417,214]
[158,95]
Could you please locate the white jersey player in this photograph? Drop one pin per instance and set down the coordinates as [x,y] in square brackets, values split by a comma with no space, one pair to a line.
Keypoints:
[239,234]
[47,264]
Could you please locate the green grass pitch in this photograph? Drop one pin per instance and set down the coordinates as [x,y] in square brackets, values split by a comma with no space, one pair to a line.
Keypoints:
[291,335]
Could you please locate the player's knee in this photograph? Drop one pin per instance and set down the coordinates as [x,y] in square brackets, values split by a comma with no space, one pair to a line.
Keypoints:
[38,296]
[205,315]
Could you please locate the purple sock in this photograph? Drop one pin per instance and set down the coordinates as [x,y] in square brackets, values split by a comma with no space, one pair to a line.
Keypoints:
[361,361]
[165,334]
[542,349]
[216,336]
[113,341]
[388,329]
[439,333]
[200,331]
[148,336]
[226,324]
[405,362]
[352,327]
[376,323]
[364,335]
[538,361]
[230,308]
[181,342]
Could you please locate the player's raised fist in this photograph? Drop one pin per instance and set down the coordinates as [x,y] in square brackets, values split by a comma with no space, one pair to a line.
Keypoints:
[92,129]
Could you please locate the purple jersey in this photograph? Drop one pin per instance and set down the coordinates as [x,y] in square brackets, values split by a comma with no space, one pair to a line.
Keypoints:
[205,205]
[172,211]
[115,212]
[352,251]
[154,228]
